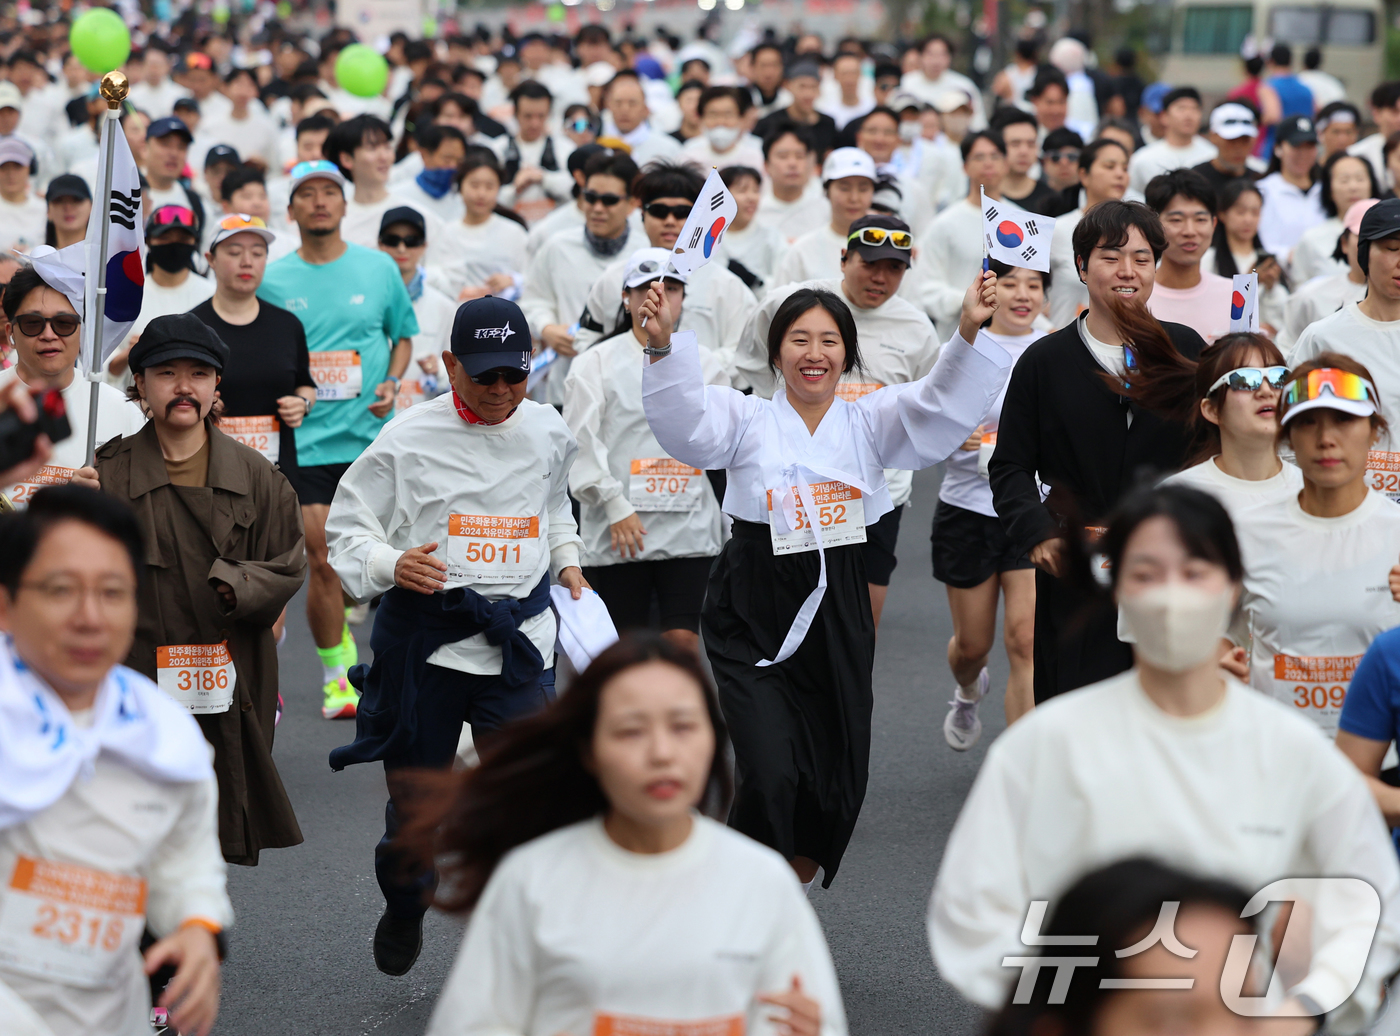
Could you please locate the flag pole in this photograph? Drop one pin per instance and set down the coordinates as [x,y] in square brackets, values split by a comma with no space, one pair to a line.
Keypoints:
[986,259]
[113,89]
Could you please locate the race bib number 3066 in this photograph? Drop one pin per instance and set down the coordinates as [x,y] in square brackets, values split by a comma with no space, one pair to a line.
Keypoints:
[839,510]
[663,484]
[336,374]
[67,923]
[483,548]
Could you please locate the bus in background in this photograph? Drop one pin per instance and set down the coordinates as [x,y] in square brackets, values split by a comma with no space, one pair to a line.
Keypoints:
[1207,35]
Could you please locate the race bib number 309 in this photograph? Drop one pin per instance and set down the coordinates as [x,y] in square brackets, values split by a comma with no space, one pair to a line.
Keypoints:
[839,510]
[483,548]
[336,374]
[1317,684]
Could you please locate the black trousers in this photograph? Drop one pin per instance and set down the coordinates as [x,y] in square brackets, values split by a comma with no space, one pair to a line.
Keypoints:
[1076,641]
[801,728]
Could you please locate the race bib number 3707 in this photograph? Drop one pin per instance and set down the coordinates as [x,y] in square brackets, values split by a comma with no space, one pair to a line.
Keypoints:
[663,484]
[336,374]
[839,510]
[483,548]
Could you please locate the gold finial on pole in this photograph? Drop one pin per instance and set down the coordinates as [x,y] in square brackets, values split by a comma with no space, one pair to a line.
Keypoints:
[114,89]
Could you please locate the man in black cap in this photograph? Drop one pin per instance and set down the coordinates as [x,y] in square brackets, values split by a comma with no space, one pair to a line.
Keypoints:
[803,82]
[226,553]
[70,204]
[1369,331]
[458,513]
[403,235]
[167,152]
[219,160]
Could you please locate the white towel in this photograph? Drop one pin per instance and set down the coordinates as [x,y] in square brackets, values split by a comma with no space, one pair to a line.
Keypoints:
[586,629]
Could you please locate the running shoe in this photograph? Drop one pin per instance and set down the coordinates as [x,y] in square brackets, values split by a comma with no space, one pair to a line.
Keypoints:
[349,650]
[397,941]
[340,699]
[356,614]
[962,726]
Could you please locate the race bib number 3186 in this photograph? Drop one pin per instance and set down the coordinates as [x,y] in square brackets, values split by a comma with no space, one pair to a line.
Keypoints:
[200,677]
[483,548]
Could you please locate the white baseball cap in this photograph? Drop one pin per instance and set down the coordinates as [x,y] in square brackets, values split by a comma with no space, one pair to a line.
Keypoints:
[12,149]
[848,161]
[952,100]
[240,223]
[10,97]
[600,73]
[648,264]
[1232,121]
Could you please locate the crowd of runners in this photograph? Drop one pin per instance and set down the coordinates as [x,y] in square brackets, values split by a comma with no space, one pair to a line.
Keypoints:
[441,357]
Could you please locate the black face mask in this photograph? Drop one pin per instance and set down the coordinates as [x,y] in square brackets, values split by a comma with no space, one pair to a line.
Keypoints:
[172,257]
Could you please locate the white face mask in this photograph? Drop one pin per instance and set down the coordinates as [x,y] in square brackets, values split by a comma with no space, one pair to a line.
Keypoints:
[909,130]
[722,138]
[1177,627]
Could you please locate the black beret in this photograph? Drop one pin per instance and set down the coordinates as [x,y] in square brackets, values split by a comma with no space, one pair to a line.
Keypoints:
[182,336]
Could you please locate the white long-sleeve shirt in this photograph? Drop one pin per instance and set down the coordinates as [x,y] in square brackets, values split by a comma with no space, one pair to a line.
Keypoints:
[897,345]
[1160,157]
[717,304]
[574,933]
[950,254]
[763,443]
[557,183]
[1312,255]
[1248,792]
[603,408]
[1068,296]
[760,248]
[467,255]
[1314,301]
[792,219]
[432,477]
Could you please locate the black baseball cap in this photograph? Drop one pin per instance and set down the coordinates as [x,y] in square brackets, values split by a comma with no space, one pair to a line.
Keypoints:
[489,332]
[221,153]
[580,155]
[181,336]
[1059,139]
[166,126]
[1381,220]
[874,253]
[1296,130]
[68,185]
[404,214]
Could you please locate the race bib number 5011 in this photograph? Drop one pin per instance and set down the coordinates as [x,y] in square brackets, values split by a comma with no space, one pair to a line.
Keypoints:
[484,548]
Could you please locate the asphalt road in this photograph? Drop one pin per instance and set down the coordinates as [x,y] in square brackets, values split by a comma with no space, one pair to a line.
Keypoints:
[300,952]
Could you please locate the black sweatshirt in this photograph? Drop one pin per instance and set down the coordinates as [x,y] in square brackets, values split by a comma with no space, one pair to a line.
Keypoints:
[1062,422]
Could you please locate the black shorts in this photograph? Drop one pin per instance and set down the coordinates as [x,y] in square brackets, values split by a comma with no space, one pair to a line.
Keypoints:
[627,588]
[969,548]
[316,483]
[880,539]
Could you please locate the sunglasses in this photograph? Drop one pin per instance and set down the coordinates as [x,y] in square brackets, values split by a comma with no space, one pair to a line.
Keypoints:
[173,216]
[513,376]
[1249,379]
[875,236]
[581,125]
[593,198]
[240,223]
[407,240]
[31,325]
[1341,384]
[658,211]
[1063,155]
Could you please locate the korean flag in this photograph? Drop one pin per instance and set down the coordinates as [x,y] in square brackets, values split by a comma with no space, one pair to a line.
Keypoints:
[710,217]
[1016,237]
[1244,303]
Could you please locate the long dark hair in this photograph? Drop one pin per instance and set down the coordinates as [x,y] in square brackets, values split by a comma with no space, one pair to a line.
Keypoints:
[1329,204]
[1220,241]
[799,302]
[1164,381]
[1223,355]
[533,779]
[1119,903]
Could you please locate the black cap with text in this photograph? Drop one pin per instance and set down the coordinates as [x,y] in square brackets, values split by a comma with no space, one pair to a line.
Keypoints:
[489,333]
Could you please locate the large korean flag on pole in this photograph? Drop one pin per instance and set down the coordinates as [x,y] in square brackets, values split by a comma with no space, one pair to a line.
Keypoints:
[124,254]
[1014,236]
[710,217]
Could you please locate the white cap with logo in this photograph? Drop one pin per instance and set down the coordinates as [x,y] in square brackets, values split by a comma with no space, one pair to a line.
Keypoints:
[848,161]
[1232,121]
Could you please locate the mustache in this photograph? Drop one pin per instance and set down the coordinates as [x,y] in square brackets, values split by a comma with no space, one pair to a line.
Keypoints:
[170,407]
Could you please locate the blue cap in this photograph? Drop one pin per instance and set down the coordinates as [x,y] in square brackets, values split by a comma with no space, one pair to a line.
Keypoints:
[166,126]
[488,333]
[1153,95]
[320,169]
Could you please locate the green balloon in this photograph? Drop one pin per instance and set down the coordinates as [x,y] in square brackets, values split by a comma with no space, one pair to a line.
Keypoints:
[360,70]
[100,40]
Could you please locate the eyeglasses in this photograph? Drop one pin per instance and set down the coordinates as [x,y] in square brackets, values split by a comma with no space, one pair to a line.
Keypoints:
[594,198]
[658,211]
[31,325]
[1249,379]
[1065,154]
[513,376]
[66,594]
[875,236]
[1341,384]
[407,240]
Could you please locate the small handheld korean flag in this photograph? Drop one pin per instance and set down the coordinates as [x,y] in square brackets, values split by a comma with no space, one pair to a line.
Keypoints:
[710,217]
[1014,236]
[1244,303]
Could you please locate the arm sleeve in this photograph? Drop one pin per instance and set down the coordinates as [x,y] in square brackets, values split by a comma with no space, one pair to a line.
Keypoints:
[919,424]
[564,541]
[187,876]
[696,425]
[591,479]
[940,298]
[536,299]
[979,899]
[734,301]
[799,948]
[490,990]
[559,183]
[262,588]
[357,526]
[1016,461]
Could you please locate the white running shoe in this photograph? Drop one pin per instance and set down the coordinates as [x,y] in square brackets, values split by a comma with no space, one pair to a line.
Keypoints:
[962,726]
[356,614]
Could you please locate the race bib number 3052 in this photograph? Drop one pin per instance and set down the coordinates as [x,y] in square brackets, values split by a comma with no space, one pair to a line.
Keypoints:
[69,924]
[839,510]
[663,484]
[1318,685]
[200,677]
[336,374]
[631,1025]
[263,433]
[483,548]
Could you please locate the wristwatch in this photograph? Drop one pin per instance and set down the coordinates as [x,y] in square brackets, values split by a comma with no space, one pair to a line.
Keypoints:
[396,381]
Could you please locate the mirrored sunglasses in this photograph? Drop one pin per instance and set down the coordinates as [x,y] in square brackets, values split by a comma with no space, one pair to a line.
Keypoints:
[1341,384]
[1249,379]
[875,236]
